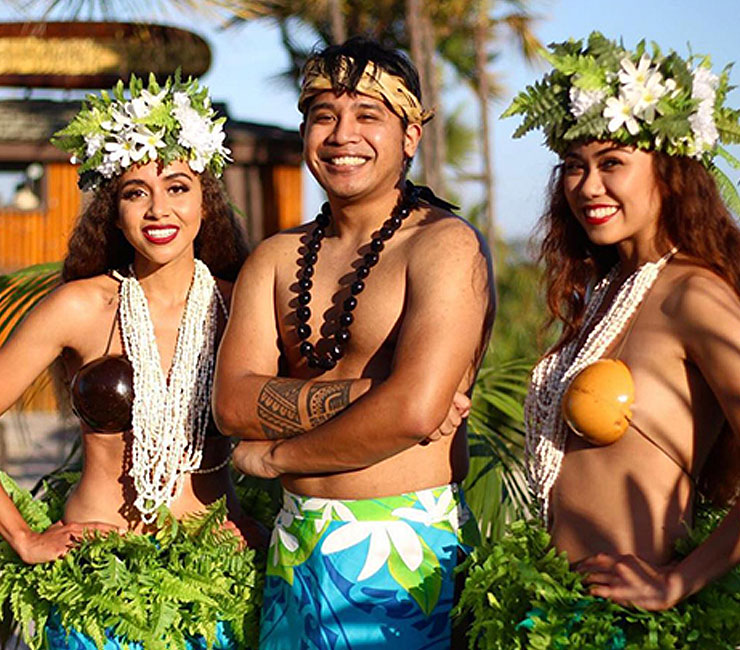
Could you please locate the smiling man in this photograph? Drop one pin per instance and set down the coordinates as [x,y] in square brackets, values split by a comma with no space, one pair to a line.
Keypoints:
[349,339]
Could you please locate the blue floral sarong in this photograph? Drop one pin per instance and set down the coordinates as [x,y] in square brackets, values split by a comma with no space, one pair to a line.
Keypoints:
[57,638]
[365,573]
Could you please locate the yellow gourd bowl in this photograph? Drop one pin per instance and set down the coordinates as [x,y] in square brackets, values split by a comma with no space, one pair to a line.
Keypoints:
[597,403]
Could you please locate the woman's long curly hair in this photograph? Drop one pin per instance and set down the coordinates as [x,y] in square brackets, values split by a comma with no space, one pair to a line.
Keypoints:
[695,219]
[97,244]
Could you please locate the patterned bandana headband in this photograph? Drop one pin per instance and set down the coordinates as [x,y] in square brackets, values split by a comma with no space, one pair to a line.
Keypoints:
[163,123]
[374,82]
[657,102]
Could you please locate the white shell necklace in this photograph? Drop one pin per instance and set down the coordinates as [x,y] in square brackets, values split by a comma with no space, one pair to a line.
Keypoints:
[545,426]
[170,415]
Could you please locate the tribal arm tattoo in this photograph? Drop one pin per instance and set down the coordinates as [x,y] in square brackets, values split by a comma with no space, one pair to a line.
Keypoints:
[288,407]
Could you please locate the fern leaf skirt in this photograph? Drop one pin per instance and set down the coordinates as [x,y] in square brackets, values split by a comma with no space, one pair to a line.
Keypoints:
[189,586]
[521,594]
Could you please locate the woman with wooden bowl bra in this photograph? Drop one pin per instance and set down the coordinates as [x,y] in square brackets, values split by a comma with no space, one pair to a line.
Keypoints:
[155,545]
[633,417]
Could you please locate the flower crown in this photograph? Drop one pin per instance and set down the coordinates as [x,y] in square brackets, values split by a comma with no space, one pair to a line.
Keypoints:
[661,103]
[168,123]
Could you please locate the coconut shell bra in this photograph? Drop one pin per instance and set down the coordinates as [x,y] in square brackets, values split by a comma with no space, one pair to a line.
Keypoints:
[102,391]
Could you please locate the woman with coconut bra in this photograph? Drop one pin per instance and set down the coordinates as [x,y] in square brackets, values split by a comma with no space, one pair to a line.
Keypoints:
[632,417]
[137,322]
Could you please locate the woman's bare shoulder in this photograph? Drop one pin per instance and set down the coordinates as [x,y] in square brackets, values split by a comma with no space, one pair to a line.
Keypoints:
[699,299]
[83,300]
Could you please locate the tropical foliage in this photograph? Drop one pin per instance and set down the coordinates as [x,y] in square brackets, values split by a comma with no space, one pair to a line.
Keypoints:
[158,590]
[521,593]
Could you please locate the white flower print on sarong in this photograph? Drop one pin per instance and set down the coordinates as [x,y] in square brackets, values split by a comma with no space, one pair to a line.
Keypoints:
[433,511]
[383,535]
[327,508]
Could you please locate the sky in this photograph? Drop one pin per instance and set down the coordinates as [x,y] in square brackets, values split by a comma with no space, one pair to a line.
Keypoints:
[248,58]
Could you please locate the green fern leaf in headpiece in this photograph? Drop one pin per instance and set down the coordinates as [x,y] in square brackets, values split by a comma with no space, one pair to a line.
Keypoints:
[601,91]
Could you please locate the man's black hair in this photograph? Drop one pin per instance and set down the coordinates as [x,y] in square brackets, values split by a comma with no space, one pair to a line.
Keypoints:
[360,50]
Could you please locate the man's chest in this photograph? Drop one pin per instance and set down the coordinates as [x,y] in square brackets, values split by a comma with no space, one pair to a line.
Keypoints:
[363,322]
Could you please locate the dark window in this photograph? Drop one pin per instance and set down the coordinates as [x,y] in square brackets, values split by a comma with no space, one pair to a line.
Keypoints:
[21,186]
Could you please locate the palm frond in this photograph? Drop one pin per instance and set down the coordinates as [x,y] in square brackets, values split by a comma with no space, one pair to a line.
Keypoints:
[21,290]
[496,488]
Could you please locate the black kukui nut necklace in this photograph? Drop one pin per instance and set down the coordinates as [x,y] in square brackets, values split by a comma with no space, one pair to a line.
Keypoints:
[341,336]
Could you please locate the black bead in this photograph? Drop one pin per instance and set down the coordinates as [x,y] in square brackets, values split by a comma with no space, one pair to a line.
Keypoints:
[362,272]
[313,361]
[377,245]
[314,245]
[326,209]
[318,233]
[395,222]
[404,212]
[386,232]
[310,257]
[336,351]
[350,303]
[346,319]
[371,259]
[303,331]
[306,348]
[327,363]
[308,270]
[304,298]
[357,287]
[303,314]
[305,284]
[341,336]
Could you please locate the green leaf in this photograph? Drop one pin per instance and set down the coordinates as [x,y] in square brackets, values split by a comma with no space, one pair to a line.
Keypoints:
[424,584]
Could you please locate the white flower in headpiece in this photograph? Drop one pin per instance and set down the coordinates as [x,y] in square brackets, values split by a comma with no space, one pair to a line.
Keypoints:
[181,100]
[140,107]
[645,97]
[704,88]
[630,75]
[581,101]
[120,122]
[93,144]
[119,151]
[108,168]
[620,111]
[148,142]
[705,83]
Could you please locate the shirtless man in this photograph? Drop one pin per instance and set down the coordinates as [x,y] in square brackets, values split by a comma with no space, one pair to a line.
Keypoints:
[399,307]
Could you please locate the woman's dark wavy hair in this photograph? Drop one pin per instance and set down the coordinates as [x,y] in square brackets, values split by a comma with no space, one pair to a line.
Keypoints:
[695,219]
[97,245]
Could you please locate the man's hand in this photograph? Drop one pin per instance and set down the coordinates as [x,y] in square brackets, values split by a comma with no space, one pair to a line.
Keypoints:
[629,580]
[459,409]
[58,539]
[252,457]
